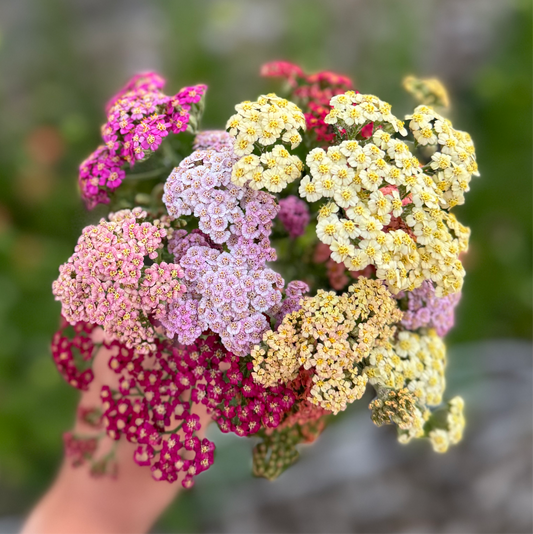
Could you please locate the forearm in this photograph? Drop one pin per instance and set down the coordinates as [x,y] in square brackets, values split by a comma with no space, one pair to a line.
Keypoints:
[78,502]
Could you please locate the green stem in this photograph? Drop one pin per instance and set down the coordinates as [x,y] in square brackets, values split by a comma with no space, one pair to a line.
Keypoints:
[170,154]
[174,430]
[147,175]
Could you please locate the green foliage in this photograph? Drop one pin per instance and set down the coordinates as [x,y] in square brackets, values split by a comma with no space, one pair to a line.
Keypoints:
[51,116]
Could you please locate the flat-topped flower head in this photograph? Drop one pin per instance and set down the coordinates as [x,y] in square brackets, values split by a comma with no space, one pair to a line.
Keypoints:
[408,377]
[156,405]
[139,117]
[228,292]
[329,335]
[414,361]
[106,281]
[264,132]
[390,211]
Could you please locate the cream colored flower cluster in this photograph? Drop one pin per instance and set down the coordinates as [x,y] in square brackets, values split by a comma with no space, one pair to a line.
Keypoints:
[442,438]
[415,363]
[453,163]
[353,110]
[429,92]
[261,130]
[383,208]
[329,334]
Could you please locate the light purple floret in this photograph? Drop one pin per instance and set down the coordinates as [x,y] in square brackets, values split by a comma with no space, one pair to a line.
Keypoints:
[294,215]
[425,310]
[230,291]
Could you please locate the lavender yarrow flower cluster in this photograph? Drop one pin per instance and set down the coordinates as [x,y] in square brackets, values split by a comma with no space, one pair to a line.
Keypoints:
[425,310]
[138,118]
[227,213]
[227,293]
[294,215]
[214,139]
[181,319]
[232,289]
[294,292]
[106,282]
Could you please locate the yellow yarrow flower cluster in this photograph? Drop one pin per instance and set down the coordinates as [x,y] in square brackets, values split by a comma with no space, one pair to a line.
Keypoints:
[262,129]
[408,376]
[454,162]
[329,334]
[353,109]
[442,438]
[429,92]
[413,361]
[371,184]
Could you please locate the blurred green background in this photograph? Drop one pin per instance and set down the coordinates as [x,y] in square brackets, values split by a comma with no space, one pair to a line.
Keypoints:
[61,60]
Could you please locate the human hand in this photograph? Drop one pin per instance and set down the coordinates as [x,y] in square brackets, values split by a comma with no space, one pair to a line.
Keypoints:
[79,502]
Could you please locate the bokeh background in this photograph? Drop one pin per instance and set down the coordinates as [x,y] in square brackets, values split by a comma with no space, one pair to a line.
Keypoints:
[60,60]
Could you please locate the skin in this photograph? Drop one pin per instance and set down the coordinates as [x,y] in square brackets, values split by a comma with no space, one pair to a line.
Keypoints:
[80,503]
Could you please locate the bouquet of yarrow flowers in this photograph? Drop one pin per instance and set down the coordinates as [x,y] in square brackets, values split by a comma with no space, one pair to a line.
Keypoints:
[269,273]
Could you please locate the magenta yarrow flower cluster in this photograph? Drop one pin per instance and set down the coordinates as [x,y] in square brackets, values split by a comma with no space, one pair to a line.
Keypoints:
[65,347]
[139,117]
[174,381]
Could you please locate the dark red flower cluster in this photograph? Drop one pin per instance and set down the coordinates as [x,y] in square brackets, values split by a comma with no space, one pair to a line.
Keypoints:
[306,411]
[246,407]
[79,449]
[154,405]
[65,348]
[311,92]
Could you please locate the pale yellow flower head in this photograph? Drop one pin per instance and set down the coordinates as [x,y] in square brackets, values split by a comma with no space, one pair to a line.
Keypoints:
[268,129]
[330,334]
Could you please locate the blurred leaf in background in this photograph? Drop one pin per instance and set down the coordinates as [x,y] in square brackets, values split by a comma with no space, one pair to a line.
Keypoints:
[59,62]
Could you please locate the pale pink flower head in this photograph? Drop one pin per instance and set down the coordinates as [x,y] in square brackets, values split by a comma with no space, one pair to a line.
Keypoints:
[107,280]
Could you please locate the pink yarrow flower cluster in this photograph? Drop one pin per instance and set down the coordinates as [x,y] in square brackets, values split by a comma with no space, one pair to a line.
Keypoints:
[139,117]
[213,139]
[173,381]
[425,310]
[294,215]
[106,281]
